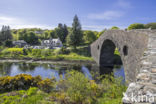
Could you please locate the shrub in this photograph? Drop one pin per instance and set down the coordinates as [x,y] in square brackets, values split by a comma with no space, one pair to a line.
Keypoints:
[136,26]
[32,91]
[18,82]
[151,25]
[47,85]
[115,28]
[8,43]
[36,52]
[77,87]
[13,52]
[31,96]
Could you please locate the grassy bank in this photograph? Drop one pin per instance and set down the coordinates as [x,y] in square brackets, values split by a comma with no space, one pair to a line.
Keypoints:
[81,54]
[46,54]
[75,89]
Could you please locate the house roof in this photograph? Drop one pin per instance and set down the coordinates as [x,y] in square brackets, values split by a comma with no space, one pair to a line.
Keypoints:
[56,40]
[20,41]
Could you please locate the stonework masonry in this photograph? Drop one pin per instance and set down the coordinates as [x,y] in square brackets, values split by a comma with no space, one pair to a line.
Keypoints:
[138,53]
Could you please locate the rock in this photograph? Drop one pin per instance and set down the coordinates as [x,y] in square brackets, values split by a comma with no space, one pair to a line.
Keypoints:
[12,93]
[154,81]
[153,70]
[143,76]
[24,96]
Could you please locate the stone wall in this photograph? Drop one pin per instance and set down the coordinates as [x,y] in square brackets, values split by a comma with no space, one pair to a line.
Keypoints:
[138,53]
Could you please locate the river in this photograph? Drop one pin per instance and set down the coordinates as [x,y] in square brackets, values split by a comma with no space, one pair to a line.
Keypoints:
[49,70]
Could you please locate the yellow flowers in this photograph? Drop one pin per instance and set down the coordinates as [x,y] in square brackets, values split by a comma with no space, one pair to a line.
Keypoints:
[24,81]
[46,85]
[93,85]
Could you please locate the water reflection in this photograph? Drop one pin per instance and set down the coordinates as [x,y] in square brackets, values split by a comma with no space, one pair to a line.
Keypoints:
[55,70]
[5,69]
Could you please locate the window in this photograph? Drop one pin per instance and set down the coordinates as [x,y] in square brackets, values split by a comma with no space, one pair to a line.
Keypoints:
[125,50]
[98,47]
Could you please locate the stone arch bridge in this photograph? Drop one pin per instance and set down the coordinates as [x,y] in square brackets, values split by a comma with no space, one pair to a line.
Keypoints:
[138,53]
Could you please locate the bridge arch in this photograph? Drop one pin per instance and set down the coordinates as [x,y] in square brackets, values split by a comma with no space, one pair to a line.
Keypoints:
[107,53]
[131,45]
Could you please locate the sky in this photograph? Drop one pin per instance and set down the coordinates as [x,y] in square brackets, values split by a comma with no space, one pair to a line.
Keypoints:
[93,14]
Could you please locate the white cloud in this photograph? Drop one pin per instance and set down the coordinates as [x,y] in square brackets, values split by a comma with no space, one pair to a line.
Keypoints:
[16,23]
[107,15]
[8,20]
[32,26]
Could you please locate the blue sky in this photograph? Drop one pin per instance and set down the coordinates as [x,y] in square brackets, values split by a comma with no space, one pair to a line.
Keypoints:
[93,14]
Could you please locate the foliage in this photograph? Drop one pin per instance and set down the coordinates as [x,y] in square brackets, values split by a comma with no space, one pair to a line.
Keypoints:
[8,43]
[151,25]
[53,34]
[75,37]
[31,38]
[5,34]
[77,89]
[30,96]
[78,92]
[115,28]
[117,52]
[89,36]
[61,32]
[13,52]
[47,85]
[74,89]
[47,54]
[136,26]
[100,33]
[17,82]
[24,81]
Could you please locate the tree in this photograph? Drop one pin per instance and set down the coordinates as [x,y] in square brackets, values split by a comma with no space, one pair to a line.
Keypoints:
[100,33]
[75,37]
[136,26]
[8,43]
[5,34]
[65,33]
[151,25]
[46,35]
[89,36]
[53,34]
[31,38]
[115,28]
[62,32]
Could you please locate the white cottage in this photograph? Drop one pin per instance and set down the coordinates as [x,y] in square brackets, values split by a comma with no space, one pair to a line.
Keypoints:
[52,43]
[20,43]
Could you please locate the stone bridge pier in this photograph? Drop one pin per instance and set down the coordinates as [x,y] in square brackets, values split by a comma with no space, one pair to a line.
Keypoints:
[138,54]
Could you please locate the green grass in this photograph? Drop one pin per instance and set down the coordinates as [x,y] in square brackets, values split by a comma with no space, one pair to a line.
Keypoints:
[81,53]
[46,54]
[31,96]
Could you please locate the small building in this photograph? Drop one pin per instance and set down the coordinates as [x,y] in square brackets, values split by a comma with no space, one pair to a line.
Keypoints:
[52,43]
[20,43]
[39,32]
[37,47]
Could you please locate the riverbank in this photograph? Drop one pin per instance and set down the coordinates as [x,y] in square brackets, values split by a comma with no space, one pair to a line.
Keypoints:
[29,60]
[81,54]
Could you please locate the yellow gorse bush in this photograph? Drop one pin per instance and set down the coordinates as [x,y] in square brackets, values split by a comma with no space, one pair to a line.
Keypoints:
[24,81]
